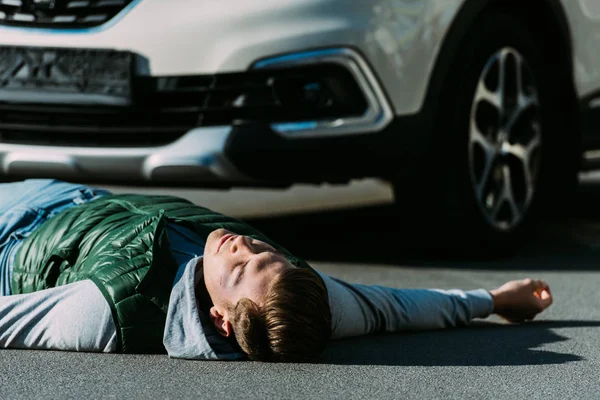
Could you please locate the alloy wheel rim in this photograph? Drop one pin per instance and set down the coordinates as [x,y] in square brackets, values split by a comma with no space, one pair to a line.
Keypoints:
[505,139]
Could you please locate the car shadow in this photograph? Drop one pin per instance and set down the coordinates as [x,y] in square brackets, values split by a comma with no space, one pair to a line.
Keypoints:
[371,235]
[481,344]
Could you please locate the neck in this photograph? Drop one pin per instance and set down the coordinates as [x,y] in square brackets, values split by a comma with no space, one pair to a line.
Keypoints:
[202,297]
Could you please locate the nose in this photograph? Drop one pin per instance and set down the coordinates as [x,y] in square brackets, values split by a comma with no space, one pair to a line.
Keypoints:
[240,245]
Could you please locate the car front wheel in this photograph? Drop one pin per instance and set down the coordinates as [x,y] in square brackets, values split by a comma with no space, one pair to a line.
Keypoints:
[504,144]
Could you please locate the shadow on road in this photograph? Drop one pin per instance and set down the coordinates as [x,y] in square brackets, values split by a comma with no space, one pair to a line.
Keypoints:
[481,344]
[369,235]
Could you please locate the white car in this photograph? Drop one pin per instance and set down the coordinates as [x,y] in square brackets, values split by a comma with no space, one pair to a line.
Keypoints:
[477,110]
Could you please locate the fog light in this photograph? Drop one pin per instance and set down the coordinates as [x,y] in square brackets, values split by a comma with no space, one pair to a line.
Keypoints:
[312,92]
[323,91]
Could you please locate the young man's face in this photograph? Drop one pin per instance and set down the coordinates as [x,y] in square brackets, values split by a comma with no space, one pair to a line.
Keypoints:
[237,267]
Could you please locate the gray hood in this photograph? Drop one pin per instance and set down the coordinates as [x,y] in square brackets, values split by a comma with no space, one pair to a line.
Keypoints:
[189,332]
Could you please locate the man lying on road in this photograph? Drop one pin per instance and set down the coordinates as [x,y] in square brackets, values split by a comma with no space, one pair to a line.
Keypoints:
[84,270]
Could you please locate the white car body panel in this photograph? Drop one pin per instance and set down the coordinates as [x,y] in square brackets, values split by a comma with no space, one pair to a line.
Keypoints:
[584,22]
[399,38]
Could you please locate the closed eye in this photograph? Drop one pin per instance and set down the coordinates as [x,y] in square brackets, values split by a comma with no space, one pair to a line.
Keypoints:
[241,269]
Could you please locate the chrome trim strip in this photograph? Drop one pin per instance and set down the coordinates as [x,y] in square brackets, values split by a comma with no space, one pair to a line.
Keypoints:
[76,31]
[379,112]
[198,156]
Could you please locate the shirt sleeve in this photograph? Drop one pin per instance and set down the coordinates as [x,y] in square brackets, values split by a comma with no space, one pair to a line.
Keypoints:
[361,309]
[73,317]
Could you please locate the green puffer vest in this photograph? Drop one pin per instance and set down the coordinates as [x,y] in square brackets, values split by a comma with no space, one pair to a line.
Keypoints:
[120,243]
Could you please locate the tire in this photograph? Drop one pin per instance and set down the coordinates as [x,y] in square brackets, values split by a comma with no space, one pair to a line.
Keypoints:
[497,162]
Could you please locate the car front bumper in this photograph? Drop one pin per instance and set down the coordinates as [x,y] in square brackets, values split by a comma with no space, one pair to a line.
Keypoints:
[209,153]
[384,43]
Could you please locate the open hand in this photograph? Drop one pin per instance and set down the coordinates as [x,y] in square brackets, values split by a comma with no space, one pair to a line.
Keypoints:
[522,300]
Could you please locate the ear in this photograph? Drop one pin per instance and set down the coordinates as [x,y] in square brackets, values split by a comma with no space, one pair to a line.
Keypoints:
[220,322]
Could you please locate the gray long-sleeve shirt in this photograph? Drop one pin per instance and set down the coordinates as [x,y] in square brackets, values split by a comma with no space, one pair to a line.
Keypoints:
[76,317]
[362,309]
[72,317]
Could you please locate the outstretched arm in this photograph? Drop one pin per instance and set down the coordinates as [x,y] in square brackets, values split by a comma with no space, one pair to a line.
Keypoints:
[72,317]
[361,309]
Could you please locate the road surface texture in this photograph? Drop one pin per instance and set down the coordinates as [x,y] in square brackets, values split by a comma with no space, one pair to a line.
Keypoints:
[555,357]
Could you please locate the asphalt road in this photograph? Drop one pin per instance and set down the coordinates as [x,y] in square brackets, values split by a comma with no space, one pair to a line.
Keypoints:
[558,356]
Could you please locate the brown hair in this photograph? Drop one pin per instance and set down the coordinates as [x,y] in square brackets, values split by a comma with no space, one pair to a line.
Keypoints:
[293,324]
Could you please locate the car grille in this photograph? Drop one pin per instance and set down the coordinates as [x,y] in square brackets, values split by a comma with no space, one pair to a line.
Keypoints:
[295,94]
[92,126]
[163,109]
[59,13]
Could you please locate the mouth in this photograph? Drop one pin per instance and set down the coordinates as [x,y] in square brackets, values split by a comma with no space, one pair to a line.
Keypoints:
[223,240]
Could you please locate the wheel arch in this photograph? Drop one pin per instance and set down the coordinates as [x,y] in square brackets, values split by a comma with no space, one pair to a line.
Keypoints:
[551,24]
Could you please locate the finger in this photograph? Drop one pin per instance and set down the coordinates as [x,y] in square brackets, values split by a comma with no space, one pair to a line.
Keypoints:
[542,293]
[545,300]
[539,285]
[545,295]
